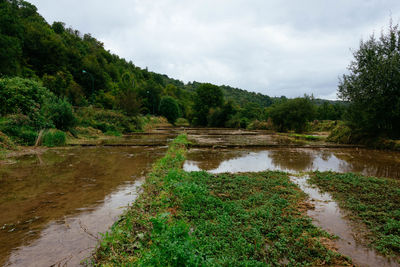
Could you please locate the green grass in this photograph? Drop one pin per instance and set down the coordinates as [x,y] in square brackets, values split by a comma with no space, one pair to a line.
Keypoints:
[374,201]
[54,138]
[199,219]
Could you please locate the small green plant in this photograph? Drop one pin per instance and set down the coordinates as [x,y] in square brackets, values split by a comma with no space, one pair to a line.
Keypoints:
[54,138]
[374,201]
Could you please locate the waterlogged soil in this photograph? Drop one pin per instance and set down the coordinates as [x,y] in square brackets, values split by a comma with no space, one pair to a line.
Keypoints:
[53,204]
[327,215]
[325,212]
[368,162]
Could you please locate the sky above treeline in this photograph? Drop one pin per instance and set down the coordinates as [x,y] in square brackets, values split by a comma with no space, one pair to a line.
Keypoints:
[275,47]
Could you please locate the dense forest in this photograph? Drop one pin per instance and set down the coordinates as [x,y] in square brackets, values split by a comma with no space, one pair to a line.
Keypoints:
[52,76]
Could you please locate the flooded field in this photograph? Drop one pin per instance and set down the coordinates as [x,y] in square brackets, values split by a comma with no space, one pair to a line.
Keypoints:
[368,162]
[54,204]
[325,212]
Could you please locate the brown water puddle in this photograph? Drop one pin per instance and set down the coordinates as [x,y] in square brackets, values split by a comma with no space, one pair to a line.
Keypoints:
[368,162]
[327,214]
[53,205]
[329,217]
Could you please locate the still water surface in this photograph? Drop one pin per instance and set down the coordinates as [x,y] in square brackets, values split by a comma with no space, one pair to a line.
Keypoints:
[53,205]
[368,162]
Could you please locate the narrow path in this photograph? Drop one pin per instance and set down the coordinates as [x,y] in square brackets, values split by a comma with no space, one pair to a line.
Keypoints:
[330,217]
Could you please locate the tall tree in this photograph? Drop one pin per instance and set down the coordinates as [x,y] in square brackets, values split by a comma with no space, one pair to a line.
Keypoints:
[373,85]
[207,96]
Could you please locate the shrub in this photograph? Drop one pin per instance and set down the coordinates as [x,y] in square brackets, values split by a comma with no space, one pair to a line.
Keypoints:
[18,128]
[54,138]
[169,108]
[340,134]
[292,114]
[60,112]
[6,142]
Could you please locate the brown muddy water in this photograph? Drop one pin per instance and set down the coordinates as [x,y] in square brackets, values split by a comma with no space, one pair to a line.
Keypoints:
[368,162]
[327,213]
[53,205]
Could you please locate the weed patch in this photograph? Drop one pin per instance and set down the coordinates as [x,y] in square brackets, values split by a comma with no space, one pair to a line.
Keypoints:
[54,138]
[200,219]
[374,201]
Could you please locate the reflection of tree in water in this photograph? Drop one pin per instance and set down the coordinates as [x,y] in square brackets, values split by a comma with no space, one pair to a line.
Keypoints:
[292,159]
[210,159]
[370,162]
[325,155]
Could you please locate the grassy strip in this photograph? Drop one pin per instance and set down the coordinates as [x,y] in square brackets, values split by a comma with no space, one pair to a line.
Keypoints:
[199,219]
[374,201]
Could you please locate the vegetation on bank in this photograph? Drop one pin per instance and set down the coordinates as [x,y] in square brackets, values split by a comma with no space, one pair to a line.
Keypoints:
[374,201]
[199,219]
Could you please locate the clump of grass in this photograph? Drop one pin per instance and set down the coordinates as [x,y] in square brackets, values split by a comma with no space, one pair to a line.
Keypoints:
[374,201]
[54,138]
[199,219]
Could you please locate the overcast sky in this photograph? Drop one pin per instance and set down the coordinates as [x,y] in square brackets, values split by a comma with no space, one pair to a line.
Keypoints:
[279,47]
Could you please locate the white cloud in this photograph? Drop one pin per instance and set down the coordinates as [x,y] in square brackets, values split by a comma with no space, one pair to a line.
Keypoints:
[278,47]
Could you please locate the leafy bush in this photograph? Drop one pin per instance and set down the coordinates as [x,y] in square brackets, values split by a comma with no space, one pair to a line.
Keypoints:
[292,114]
[18,128]
[60,112]
[341,134]
[107,120]
[6,142]
[54,138]
[24,96]
[169,108]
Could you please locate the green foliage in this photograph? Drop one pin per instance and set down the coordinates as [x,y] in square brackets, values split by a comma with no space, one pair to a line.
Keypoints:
[182,122]
[19,128]
[107,120]
[198,219]
[24,96]
[372,86]
[292,114]
[374,201]
[6,142]
[52,138]
[329,111]
[169,108]
[207,96]
[341,134]
[60,112]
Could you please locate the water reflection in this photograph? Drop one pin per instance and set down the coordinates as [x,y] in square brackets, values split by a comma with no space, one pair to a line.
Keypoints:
[43,197]
[369,162]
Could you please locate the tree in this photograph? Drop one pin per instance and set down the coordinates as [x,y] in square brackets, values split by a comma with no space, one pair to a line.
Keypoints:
[169,108]
[207,96]
[373,85]
[292,114]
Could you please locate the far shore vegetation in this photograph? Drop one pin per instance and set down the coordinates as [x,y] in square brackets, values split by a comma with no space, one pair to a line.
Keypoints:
[78,86]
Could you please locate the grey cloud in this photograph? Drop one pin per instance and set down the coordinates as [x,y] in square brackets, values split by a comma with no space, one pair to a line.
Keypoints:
[276,47]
